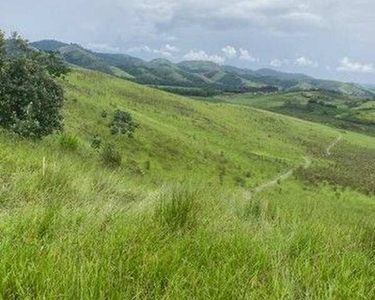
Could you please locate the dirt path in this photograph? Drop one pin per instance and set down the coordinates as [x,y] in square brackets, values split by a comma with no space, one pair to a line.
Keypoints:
[329,148]
[281,177]
[288,174]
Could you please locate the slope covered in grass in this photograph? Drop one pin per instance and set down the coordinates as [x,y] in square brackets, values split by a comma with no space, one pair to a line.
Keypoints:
[161,226]
[182,137]
[330,108]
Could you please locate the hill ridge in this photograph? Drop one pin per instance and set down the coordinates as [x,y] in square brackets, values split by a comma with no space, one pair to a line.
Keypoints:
[195,74]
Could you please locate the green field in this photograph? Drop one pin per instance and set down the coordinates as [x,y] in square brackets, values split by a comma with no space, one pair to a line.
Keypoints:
[333,109]
[179,218]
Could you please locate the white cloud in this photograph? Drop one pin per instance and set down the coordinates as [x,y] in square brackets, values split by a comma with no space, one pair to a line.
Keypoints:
[350,66]
[164,51]
[157,11]
[229,51]
[171,48]
[276,63]
[305,62]
[103,47]
[243,54]
[202,55]
[305,17]
[272,28]
[246,55]
[271,15]
[144,48]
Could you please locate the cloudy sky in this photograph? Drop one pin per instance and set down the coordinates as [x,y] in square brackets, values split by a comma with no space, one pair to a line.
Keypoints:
[323,38]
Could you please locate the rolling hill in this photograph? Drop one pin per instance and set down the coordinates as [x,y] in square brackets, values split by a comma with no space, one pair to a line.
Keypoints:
[183,216]
[195,74]
[323,106]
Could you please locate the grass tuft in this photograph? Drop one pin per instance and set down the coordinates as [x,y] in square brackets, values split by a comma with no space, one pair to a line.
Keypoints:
[69,142]
[111,157]
[177,209]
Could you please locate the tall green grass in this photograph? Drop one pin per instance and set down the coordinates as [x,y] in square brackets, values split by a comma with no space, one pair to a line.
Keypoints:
[160,225]
[297,245]
[177,208]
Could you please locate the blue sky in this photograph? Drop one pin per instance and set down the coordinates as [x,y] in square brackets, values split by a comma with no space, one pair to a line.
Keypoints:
[323,38]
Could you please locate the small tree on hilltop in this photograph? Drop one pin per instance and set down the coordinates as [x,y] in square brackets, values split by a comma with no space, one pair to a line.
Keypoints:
[30,97]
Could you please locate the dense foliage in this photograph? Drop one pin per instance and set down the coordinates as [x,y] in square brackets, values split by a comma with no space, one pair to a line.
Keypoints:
[122,123]
[192,92]
[30,97]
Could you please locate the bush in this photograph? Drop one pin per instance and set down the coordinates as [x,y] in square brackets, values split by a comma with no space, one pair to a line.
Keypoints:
[30,98]
[96,142]
[122,123]
[111,156]
[69,142]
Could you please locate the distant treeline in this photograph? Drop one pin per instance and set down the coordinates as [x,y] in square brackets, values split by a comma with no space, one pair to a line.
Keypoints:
[211,91]
[193,92]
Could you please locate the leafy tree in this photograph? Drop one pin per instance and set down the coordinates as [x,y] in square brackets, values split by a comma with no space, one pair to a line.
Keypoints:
[30,97]
[2,50]
[122,123]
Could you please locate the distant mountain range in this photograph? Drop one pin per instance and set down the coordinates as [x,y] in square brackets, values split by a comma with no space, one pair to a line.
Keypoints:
[195,74]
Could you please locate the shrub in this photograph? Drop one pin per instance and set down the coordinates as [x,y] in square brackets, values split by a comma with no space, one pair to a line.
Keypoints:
[104,114]
[111,156]
[96,142]
[30,98]
[69,142]
[122,123]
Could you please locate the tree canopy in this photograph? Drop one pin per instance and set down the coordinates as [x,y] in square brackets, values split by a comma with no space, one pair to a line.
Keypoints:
[30,97]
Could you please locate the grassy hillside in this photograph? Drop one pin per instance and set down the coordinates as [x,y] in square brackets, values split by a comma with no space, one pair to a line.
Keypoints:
[182,136]
[330,108]
[162,226]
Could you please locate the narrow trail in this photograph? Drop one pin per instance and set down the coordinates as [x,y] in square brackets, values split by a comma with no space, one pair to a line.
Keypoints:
[329,148]
[288,174]
[281,177]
